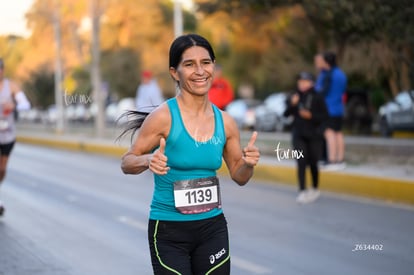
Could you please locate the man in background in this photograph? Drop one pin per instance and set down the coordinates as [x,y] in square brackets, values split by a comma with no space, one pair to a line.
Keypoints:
[331,83]
[149,94]
[221,92]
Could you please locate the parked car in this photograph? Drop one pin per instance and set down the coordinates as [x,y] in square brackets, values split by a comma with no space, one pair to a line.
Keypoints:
[269,115]
[358,111]
[397,114]
[114,111]
[243,112]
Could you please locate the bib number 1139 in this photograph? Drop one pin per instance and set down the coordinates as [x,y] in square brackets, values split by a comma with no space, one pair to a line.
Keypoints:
[197,196]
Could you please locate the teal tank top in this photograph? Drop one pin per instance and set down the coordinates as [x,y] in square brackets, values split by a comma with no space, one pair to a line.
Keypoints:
[187,159]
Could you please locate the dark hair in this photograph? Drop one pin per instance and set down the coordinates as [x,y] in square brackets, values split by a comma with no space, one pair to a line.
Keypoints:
[306,76]
[329,58]
[184,42]
[178,47]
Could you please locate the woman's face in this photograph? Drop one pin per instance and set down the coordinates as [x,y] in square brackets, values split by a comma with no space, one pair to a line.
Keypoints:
[195,71]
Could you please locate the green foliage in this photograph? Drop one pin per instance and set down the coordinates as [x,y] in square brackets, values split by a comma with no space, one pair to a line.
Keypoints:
[121,69]
[40,88]
[82,77]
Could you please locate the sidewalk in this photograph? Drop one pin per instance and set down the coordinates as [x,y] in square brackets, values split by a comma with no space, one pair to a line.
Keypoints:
[385,181]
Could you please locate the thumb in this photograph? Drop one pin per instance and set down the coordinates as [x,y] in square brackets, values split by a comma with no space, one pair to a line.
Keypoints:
[252,139]
[162,146]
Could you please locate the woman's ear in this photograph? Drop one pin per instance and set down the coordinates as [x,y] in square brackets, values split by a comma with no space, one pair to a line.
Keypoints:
[174,74]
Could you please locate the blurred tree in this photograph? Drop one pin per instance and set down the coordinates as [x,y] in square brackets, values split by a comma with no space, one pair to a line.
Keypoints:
[12,49]
[120,69]
[384,27]
[40,87]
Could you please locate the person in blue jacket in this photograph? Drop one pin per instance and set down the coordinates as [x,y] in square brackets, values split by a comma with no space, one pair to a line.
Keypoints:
[331,83]
[183,142]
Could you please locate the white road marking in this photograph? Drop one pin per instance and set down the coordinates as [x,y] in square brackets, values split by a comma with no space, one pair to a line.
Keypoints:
[133,223]
[252,268]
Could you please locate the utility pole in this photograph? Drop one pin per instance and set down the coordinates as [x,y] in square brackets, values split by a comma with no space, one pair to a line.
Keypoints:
[58,70]
[178,18]
[95,13]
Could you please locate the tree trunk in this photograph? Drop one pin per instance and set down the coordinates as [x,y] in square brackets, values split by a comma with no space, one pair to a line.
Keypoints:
[95,68]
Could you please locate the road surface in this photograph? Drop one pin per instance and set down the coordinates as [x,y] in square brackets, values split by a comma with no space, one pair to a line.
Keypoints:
[71,213]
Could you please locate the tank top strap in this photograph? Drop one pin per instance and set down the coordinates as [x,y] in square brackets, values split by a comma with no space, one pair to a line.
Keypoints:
[176,127]
[219,127]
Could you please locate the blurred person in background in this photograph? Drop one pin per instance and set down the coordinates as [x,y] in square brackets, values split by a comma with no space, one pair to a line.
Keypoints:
[331,84]
[149,94]
[221,92]
[309,111]
[11,98]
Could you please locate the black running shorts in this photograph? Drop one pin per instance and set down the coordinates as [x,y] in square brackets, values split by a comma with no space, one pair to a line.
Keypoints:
[190,248]
[5,149]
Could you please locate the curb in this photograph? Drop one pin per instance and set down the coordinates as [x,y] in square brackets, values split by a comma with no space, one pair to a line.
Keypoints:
[386,189]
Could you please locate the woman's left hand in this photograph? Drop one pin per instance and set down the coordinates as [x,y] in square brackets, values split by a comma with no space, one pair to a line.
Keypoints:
[251,154]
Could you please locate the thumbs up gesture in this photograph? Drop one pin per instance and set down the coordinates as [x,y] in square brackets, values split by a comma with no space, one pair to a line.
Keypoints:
[251,153]
[158,161]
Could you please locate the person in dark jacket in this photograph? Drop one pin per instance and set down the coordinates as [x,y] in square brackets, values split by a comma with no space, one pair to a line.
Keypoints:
[309,111]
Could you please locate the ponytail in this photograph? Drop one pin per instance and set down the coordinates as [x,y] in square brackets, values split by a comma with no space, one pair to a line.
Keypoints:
[134,121]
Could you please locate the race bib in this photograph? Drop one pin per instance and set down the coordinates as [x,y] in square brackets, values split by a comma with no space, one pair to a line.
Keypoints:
[197,195]
[4,124]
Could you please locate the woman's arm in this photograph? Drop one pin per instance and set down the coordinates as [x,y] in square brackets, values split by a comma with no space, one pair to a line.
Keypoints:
[22,103]
[239,162]
[152,134]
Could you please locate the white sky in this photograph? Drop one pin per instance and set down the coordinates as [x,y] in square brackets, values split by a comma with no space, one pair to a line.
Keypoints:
[12,19]
[12,13]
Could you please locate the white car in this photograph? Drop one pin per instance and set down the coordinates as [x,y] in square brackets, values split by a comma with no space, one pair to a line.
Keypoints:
[397,114]
[114,111]
[270,115]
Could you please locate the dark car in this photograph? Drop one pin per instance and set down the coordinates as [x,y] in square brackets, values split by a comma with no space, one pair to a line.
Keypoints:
[397,114]
[358,111]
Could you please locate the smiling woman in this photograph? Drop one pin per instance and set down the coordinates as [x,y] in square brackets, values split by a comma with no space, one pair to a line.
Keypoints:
[183,142]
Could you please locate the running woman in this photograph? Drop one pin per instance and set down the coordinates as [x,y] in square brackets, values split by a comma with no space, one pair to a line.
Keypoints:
[11,98]
[183,142]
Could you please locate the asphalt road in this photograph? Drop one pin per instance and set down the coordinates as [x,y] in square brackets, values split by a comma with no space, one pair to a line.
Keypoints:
[76,214]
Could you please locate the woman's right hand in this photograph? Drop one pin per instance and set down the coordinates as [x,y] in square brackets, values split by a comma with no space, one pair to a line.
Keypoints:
[157,162]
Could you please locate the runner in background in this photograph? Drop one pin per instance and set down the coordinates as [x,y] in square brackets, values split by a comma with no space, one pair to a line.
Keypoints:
[11,98]
[183,142]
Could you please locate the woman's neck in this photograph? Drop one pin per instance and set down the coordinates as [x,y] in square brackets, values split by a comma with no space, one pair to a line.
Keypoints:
[193,104]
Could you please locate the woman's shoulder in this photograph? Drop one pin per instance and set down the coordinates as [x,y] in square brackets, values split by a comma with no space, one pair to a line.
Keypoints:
[230,125]
[161,113]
